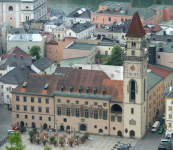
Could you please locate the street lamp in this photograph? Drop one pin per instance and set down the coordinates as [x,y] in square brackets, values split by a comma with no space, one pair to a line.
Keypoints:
[91,141]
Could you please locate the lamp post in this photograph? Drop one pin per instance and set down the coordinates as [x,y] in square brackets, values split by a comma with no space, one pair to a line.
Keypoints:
[91,141]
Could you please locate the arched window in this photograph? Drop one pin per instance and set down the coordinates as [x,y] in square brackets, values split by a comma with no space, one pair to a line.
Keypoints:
[132,90]
[116,109]
[83,127]
[100,131]
[10,8]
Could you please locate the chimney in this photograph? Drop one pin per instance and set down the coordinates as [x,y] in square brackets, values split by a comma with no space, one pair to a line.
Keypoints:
[45,72]
[58,65]
[21,56]
[20,36]
[23,67]
[164,32]
[126,12]
[160,45]
[15,55]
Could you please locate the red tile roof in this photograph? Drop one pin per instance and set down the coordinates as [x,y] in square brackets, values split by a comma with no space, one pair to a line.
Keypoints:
[77,77]
[135,28]
[164,73]
[154,29]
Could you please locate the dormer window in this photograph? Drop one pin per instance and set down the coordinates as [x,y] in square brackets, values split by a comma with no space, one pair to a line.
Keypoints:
[24,84]
[95,90]
[80,89]
[46,86]
[87,89]
[62,87]
[104,91]
[71,88]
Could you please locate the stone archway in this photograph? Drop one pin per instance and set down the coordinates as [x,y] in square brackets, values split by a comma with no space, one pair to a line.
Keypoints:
[132,133]
[83,127]
[68,127]
[22,124]
[33,125]
[116,108]
[62,128]
[100,131]
[119,133]
[44,126]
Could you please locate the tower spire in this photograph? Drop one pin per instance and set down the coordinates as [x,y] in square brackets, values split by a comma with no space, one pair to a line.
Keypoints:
[135,28]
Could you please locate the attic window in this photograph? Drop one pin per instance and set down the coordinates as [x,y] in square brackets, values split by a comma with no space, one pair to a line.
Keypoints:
[95,90]
[46,86]
[80,89]
[87,89]
[104,91]
[71,88]
[62,87]
[24,84]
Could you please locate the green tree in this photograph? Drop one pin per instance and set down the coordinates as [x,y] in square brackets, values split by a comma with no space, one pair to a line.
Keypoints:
[158,2]
[35,51]
[15,141]
[115,57]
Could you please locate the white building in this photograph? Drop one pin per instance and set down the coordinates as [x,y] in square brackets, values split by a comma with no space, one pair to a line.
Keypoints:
[26,41]
[81,30]
[4,28]
[81,15]
[17,11]
[50,26]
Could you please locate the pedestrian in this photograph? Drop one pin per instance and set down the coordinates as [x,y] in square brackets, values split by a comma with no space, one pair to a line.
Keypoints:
[103,135]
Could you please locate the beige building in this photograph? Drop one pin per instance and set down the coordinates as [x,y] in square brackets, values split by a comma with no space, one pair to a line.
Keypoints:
[59,33]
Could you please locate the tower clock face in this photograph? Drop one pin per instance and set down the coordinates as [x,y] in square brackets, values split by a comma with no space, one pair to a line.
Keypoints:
[132,68]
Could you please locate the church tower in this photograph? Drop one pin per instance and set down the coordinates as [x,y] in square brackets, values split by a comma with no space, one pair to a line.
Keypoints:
[135,81]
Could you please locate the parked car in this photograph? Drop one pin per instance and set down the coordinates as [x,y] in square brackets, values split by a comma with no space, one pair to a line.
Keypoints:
[163,116]
[161,120]
[162,148]
[168,136]
[160,131]
[10,132]
[17,128]
[125,145]
[165,142]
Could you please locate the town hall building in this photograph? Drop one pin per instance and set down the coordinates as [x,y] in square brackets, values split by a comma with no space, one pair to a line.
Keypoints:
[88,100]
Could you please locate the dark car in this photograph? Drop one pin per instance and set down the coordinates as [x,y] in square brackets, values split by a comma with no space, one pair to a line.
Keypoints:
[161,120]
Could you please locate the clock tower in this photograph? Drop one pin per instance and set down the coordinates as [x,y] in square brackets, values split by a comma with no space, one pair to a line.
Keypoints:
[135,81]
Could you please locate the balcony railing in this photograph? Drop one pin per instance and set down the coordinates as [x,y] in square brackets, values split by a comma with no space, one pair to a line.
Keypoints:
[116,112]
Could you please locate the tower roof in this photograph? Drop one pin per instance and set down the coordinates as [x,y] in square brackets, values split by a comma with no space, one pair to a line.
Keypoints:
[135,28]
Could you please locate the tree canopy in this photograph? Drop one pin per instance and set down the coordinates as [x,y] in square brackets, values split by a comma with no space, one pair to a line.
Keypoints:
[115,57]
[35,51]
[158,2]
[15,142]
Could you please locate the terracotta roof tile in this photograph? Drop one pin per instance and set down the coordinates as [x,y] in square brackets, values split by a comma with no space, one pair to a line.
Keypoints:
[135,28]
[75,77]
[164,73]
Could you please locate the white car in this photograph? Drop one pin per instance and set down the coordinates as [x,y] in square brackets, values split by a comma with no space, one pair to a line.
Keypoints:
[125,145]
[163,116]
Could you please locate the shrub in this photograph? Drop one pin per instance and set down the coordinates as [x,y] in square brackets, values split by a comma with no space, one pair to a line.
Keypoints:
[35,129]
[37,140]
[44,141]
[22,130]
[31,133]
[82,138]
[61,142]
[31,139]
[52,138]
[54,142]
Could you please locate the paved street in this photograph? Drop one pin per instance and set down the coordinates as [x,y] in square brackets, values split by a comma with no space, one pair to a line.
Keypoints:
[5,121]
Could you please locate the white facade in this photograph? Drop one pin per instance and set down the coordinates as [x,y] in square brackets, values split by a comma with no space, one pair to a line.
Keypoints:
[6,96]
[49,27]
[114,72]
[84,34]
[168,30]
[81,20]
[26,41]
[20,10]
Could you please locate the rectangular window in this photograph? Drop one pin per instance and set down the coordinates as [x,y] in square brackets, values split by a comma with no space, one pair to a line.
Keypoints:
[95,126]
[59,100]
[2,86]
[24,99]
[106,52]
[132,111]
[68,101]
[98,52]
[170,125]
[49,118]
[170,108]
[95,114]
[158,56]
[7,88]
[39,109]
[39,100]
[17,107]
[112,118]
[40,117]
[25,108]
[32,99]
[47,101]
[104,115]
[171,102]
[17,115]
[104,104]
[96,25]
[33,117]
[47,110]
[106,127]
[86,102]
[170,116]
[65,119]
[86,113]
[59,111]
[17,98]
[113,128]
[77,102]
[95,103]
[133,52]
[68,111]
[119,119]
[58,35]
[77,112]
[122,37]
[32,108]
[26,116]
[109,18]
